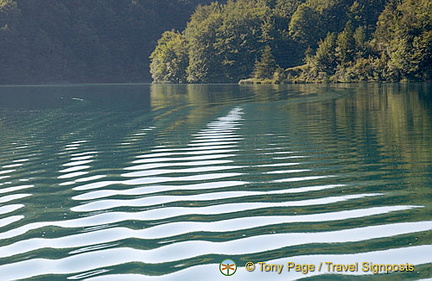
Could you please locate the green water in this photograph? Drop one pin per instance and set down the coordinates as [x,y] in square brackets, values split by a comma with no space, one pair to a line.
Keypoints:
[163,182]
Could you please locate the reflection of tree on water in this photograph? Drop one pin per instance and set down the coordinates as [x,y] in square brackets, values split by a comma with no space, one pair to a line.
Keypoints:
[196,94]
[425,96]
[387,124]
[184,108]
[393,113]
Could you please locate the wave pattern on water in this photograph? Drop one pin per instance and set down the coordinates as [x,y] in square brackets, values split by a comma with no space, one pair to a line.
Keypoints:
[131,208]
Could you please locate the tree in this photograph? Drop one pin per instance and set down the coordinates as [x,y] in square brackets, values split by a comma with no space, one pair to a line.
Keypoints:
[365,13]
[266,66]
[404,36]
[360,37]
[169,60]
[224,40]
[325,59]
[229,42]
[346,45]
[305,25]
[201,34]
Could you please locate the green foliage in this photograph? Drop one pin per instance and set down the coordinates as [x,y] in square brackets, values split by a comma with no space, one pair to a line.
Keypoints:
[266,66]
[404,37]
[224,40]
[325,58]
[365,13]
[339,40]
[305,25]
[169,60]
[400,48]
[346,45]
[201,37]
[360,37]
[232,34]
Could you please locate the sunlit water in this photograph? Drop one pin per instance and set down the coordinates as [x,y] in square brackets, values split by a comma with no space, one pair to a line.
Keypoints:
[163,182]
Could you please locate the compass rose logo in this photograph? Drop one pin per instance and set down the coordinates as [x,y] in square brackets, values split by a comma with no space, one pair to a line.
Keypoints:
[228,267]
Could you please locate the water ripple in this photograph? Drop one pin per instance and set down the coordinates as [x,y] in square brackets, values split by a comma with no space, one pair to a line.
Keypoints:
[183,250]
[392,256]
[164,193]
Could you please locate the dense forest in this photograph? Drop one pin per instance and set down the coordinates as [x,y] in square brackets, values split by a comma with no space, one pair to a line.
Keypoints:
[67,41]
[202,41]
[273,41]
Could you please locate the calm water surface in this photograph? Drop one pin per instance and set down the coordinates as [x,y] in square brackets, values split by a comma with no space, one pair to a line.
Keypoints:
[163,182]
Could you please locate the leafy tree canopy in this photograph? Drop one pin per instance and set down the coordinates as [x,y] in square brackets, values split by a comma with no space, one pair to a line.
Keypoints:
[335,40]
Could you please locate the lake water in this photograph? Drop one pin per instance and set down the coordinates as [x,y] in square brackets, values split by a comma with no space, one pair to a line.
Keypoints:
[163,182]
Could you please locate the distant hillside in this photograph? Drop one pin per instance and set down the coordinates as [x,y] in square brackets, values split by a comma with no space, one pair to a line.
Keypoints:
[63,41]
[300,41]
